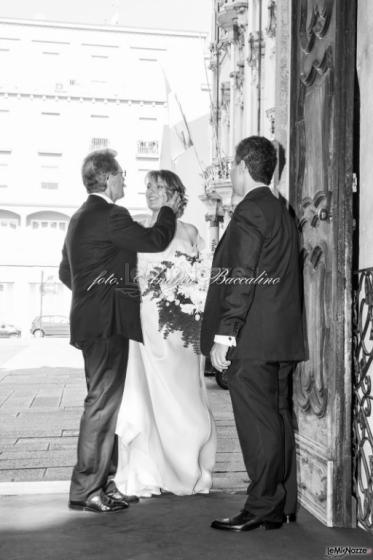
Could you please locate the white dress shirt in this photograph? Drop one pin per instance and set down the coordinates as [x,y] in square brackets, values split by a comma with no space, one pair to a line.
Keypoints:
[226,340]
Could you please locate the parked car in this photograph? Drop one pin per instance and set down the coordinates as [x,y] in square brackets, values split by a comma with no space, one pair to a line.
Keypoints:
[8,331]
[50,325]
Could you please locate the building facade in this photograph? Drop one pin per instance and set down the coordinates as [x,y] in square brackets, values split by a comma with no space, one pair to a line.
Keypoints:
[66,90]
[243,63]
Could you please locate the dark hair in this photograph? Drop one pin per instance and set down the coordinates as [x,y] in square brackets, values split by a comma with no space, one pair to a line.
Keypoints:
[95,168]
[259,155]
[173,184]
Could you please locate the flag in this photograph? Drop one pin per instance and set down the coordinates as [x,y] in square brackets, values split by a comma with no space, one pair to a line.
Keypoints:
[176,137]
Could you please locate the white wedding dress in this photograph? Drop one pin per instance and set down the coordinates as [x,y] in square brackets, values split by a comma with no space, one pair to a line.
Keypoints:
[166,432]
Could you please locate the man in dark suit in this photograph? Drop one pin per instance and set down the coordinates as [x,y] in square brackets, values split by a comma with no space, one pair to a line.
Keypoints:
[99,266]
[253,326]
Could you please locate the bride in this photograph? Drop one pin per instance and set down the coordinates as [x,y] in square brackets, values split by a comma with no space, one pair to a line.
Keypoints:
[166,432]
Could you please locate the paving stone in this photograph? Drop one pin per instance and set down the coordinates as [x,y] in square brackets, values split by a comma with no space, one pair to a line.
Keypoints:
[40,460]
[58,473]
[21,475]
[64,443]
[50,412]
[67,433]
[17,452]
[45,402]
[5,395]
[6,416]
[7,440]
[12,431]
[17,403]
[33,444]
[74,408]
[5,447]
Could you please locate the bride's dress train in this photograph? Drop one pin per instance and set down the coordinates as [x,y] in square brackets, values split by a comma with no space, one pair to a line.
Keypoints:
[166,432]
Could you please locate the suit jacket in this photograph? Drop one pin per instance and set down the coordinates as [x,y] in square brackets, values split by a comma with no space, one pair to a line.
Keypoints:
[99,260]
[261,241]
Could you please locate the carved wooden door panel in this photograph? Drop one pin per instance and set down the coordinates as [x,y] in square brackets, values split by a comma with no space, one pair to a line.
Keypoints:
[322,90]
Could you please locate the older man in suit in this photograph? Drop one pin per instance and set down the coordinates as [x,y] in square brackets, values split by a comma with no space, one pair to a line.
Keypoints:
[99,266]
[253,326]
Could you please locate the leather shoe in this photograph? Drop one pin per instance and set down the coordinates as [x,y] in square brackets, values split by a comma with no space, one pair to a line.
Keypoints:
[99,503]
[245,521]
[118,497]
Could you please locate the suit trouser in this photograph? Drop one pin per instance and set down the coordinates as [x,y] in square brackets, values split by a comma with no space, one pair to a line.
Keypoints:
[261,405]
[105,362]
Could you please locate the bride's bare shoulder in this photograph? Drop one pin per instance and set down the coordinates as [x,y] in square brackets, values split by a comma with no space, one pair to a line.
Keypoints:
[190,230]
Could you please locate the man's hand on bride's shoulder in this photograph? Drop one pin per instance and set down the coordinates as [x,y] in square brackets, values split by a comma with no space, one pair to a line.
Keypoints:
[140,219]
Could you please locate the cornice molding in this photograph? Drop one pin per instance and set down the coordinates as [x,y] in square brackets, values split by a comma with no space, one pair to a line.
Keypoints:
[80,98]
[102,28]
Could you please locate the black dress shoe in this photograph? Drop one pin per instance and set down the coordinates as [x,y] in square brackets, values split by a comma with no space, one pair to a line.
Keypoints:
[245,521]
[100,503]
[118,497]
[289,518]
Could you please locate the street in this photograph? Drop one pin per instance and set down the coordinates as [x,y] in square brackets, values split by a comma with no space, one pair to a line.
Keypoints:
[42,389]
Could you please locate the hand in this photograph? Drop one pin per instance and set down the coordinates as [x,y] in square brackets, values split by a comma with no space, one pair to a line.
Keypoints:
[173,202]
[218,356]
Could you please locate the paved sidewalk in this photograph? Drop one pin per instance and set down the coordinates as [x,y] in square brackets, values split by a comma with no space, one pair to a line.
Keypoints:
[42,389]
[160,528]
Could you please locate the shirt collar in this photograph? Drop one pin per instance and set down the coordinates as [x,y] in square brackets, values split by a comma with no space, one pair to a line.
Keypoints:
[102,195]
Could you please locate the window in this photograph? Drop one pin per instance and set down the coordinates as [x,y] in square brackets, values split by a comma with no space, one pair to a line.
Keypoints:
[148,148]
[9,220]
[9,223]
[100,46]
[48,220]
[99,144]
[148,119]
[50,114]
[49,224]
[50,154]
[4,168]
[148,49]
[49,170]
[50,42]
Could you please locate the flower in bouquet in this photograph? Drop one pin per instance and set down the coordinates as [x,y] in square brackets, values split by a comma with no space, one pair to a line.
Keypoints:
[179,289]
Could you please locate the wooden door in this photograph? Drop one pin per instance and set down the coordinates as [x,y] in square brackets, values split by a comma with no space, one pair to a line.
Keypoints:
[322,91]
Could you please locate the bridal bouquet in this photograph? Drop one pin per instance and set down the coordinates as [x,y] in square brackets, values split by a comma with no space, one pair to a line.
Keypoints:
[179,288]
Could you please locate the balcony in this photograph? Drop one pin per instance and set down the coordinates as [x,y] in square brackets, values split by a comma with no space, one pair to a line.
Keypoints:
[147,149]
[218,182]
[230,12]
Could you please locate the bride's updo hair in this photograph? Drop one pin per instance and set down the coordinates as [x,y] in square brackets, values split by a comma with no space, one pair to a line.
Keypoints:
[173,184]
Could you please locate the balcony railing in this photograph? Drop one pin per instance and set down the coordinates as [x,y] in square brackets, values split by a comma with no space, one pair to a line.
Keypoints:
[148,148]
[217,172]
[222,4]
